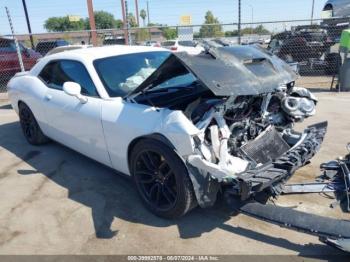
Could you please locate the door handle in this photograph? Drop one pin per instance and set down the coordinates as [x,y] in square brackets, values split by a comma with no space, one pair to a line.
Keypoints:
[48,97]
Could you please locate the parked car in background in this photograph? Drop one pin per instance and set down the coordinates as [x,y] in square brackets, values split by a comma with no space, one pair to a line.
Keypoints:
[189,47]
[152,43]
[45,46]
[9,63]
[111,40]
[336,8]
[307,45]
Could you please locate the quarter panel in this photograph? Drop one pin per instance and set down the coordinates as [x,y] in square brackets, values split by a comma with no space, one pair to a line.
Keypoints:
[30,90]
[123,122]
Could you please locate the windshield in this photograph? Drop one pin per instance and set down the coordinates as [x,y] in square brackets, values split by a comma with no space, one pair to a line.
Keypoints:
[182,80]
[123,74]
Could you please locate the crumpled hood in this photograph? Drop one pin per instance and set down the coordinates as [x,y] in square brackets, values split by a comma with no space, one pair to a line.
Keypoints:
[226,71]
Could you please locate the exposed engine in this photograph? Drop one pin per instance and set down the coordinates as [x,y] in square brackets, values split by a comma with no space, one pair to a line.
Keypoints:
[230,126]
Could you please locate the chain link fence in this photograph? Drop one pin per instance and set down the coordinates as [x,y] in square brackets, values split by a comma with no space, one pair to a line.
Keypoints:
[310,47]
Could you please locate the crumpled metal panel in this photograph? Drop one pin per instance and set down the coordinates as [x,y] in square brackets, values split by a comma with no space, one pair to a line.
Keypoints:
[227,71]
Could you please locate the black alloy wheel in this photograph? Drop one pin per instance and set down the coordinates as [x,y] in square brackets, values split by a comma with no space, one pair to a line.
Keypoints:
[162,179]
[30,127]
[156,180]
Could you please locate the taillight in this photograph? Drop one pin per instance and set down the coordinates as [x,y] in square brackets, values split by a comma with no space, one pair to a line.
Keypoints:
[173,48]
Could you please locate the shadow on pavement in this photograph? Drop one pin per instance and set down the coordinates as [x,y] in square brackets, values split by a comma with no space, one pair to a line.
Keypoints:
[111,196]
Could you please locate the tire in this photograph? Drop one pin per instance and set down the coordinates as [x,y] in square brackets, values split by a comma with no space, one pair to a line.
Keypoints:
[30,127]
[161,179]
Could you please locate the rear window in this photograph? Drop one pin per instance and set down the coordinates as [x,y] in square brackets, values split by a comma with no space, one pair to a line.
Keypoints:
[168,43]
[187,43]
[315,37]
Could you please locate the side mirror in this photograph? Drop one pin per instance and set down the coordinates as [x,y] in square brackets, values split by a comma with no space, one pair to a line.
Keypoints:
[348,147]
[74,89]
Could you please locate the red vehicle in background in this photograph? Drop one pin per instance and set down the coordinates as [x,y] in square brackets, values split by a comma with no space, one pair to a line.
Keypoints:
[9,64]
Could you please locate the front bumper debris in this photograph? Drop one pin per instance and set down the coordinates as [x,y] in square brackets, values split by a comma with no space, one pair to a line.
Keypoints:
[273,174]
[333,232]
[269,177]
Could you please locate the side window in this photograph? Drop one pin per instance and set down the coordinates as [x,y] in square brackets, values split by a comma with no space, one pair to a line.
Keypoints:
[55,74]
[7,46]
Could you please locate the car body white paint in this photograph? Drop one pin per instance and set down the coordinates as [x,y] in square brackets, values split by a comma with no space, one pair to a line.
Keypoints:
[102,128]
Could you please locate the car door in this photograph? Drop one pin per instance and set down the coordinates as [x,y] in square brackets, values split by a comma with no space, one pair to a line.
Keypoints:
[70,122]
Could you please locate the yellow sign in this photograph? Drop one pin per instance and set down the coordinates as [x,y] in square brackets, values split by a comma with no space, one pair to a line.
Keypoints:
[74,18]
[185,20]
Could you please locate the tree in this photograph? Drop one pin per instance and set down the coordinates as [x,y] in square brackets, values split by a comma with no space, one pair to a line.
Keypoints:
[132,20]
[119,23]
[61,24]
[143,15]
[231,33]
[211,26]
[261,30]
[142,35]
[169,33]
[104,20]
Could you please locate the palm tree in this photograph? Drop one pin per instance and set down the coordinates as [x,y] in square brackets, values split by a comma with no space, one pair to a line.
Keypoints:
[143,15]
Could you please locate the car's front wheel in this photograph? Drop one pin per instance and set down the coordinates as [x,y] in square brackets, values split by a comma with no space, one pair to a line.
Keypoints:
[30,127]
[162,179]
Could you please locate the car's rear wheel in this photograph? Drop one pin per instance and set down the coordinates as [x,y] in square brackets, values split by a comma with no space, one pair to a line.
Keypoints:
[162,179]
[30,127]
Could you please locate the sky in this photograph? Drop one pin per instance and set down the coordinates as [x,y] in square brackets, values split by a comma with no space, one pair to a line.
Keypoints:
[161,11]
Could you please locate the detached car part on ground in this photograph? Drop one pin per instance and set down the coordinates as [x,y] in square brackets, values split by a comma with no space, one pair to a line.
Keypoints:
[187,127]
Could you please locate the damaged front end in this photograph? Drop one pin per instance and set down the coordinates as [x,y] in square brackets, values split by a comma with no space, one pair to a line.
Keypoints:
[244,104]
[248,148]
[241,105]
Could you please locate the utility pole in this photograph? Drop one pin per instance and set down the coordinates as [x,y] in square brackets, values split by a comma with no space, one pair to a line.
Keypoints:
[239,22]
[128,23]
[148,19]
[312,11]
[125,23]
[137,13]
[28,23]
[252,25]
[92,22]
[19,55]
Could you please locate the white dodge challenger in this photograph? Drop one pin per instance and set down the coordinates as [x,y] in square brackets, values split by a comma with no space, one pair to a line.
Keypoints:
[184,127]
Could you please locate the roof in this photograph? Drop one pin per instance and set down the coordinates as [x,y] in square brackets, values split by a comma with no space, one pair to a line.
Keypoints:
[93,53]
[88,55]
